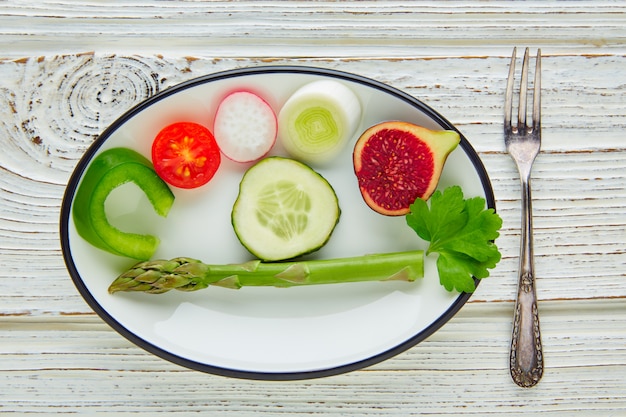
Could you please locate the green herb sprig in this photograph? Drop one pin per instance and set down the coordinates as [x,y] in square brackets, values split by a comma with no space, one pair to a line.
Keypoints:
[462,232]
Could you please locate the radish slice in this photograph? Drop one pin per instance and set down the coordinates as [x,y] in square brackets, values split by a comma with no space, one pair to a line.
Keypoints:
[317,121]
[245,126]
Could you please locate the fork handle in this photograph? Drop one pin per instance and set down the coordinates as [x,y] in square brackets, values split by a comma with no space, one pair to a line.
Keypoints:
[526,351]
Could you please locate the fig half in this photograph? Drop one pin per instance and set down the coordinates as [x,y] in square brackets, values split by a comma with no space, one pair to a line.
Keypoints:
[398,162]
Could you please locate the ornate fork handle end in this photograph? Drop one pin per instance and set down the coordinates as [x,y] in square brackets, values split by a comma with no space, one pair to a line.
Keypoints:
[526,350]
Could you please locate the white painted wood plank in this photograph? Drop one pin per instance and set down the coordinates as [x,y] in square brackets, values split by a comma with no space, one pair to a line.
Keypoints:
[79,365]
[306,29]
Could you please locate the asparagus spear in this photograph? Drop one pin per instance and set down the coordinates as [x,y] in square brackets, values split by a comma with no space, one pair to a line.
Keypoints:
[185,274]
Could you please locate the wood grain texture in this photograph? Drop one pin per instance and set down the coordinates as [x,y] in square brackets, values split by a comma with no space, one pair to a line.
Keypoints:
[308,29]
[68,69]
[56,366]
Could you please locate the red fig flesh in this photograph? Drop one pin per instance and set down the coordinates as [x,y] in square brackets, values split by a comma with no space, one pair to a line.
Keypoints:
[398,162]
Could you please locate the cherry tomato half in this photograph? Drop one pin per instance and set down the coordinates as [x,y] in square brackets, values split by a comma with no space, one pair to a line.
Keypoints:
[185,155]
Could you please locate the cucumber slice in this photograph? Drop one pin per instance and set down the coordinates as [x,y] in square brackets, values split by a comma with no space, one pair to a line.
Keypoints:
[284,209]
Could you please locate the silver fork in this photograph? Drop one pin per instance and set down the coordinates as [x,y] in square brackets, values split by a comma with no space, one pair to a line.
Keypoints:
[523,143]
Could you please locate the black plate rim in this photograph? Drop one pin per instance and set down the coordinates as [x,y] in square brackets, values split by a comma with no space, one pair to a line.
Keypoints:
[74,180]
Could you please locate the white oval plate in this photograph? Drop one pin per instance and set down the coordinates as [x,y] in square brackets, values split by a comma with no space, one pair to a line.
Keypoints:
[265,333]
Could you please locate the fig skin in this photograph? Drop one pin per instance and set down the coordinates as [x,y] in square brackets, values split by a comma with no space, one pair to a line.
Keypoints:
[397,162]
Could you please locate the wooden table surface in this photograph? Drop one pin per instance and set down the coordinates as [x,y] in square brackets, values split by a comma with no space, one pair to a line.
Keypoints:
[69,68]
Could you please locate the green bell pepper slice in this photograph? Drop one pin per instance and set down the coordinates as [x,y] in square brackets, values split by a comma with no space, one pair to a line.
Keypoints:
[107,171]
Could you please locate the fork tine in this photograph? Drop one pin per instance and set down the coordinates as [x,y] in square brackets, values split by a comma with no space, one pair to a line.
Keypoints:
[508,97]
[537,94]
[521,113]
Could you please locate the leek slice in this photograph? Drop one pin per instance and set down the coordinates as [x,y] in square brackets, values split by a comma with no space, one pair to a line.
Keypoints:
[318,120]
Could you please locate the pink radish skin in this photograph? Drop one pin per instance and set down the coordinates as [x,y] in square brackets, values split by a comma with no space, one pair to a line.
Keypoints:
[245,127]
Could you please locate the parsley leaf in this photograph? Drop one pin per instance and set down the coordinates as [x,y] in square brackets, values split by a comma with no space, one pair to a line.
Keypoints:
[462,232]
